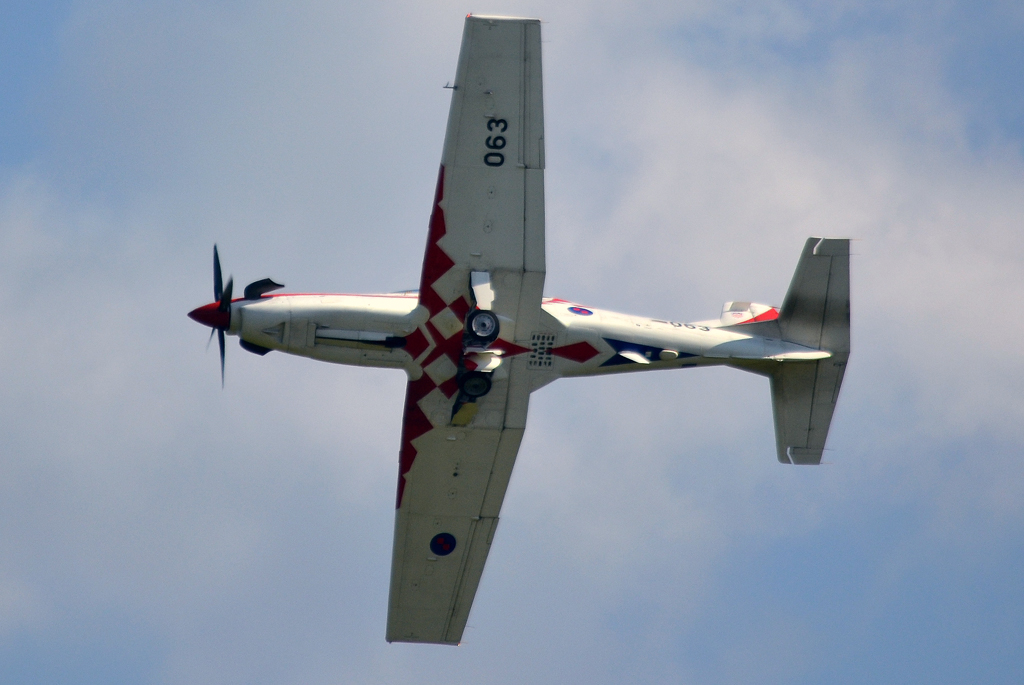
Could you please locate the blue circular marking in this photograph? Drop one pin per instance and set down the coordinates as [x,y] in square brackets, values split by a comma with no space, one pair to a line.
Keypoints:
[442,544]
[581,311]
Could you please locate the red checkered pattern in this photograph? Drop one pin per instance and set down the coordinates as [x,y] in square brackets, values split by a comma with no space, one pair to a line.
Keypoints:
[428,344]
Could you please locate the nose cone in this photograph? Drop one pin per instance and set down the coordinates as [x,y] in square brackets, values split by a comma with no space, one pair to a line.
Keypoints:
[211,315]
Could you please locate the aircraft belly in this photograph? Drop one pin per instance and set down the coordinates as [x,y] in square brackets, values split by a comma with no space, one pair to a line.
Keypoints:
[344,329]
[623,343]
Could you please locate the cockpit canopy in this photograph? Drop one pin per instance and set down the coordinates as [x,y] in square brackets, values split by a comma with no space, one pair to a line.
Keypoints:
[734,313]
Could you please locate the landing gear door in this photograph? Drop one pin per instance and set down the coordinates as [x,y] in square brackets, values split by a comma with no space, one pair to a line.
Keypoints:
[483,293]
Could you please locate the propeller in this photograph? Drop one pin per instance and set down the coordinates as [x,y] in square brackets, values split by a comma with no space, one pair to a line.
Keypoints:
[217,314]
[223,297]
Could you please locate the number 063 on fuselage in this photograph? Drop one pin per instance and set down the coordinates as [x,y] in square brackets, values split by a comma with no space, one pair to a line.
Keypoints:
[478,336]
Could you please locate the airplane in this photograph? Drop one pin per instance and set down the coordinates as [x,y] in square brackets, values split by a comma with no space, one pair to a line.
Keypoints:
[479,337]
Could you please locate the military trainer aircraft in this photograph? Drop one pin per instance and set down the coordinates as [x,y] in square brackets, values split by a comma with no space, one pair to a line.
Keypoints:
[479,336]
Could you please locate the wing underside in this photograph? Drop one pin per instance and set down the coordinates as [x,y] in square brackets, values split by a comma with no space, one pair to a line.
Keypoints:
[487,219]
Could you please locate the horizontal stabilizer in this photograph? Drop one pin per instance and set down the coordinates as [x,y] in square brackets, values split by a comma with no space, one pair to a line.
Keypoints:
[816,311]
[803,399]
[816,314]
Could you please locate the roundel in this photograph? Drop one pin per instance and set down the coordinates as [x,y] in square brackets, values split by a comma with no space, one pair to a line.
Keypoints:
[442,544]
[581,311]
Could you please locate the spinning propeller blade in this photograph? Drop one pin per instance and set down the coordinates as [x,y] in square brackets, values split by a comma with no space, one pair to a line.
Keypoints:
[225,299]
[218,284]
[220,341]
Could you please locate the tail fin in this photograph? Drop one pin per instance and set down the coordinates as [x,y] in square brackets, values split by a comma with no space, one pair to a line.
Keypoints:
[815,313]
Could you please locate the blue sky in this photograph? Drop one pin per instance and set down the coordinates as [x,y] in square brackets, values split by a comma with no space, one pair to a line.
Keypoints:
[156,529]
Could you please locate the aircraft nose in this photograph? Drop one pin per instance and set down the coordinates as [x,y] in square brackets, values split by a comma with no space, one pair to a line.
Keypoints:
[211,315]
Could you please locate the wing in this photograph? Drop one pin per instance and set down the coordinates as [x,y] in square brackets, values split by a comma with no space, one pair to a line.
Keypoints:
[488,218]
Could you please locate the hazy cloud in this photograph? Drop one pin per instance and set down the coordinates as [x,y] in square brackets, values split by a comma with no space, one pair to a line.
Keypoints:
[156,529]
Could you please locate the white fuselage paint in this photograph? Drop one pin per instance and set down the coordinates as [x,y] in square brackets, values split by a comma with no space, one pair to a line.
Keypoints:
[350,329]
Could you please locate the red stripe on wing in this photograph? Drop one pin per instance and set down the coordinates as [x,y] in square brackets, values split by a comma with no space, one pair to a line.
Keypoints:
[435,262]
[414,424]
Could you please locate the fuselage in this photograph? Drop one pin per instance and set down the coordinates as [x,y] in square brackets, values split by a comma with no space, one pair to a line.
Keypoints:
[375,330]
